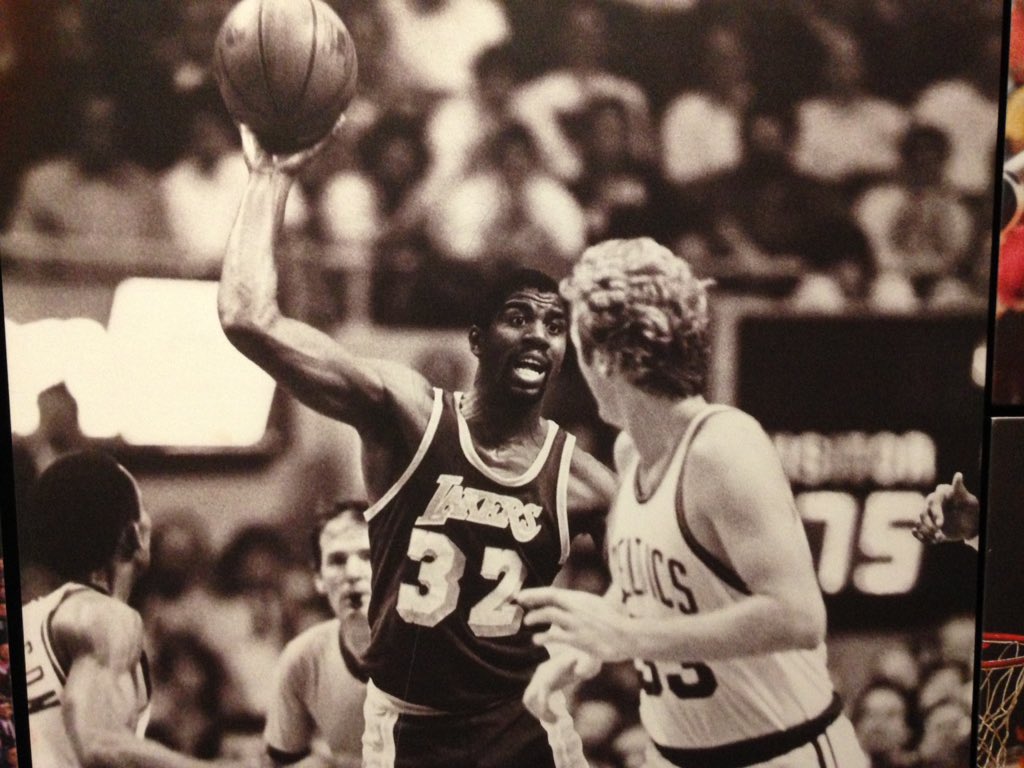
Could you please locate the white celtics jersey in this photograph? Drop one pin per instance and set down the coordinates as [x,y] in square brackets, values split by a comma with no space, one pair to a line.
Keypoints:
[45,678]
[660,570]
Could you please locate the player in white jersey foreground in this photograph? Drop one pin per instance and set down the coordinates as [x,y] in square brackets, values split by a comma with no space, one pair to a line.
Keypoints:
[713,589]
[316,709]
[86,673]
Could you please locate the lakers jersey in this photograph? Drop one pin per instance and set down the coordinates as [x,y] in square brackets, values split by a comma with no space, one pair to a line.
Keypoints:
[45,676]
[659,569]
[451,543]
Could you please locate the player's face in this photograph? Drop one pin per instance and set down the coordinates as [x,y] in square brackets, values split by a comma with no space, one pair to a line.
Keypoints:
[524,346]
[599,383]
[344,576]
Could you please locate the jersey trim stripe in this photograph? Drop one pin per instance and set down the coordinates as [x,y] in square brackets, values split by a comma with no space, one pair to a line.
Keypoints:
[760,749]
[562,495]
[716,566]
[466,441]
[831,749]
[819,753]
[421,451]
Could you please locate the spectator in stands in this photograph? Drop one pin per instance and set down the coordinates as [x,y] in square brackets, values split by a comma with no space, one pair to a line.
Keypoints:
[966,109]
[941,681]
[622,195]
[919,228]
[897,664]
[945,735]
[883,717]
[246,628]
[630,747]
[372,217]
[845,135]
[173,595]
[460,128]
[552,104]
[768,226]
[203,189]
[96,192]
[188,700]
[432,44]
[510,210]
[702,130]
[8,738]
[597,721]
[59,431]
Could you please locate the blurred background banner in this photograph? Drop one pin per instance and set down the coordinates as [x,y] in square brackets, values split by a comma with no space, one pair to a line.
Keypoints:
[829,164]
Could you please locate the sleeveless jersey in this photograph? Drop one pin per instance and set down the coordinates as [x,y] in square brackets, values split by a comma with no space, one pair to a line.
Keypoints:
[451,543]
[660,570]
[45,678]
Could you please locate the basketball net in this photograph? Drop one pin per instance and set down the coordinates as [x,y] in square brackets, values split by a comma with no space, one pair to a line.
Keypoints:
[1002,673]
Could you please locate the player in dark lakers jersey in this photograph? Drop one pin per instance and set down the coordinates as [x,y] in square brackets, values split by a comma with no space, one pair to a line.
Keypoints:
[86,675]
[473,496]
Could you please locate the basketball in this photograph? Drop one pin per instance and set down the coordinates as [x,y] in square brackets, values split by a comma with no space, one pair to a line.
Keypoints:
[285,68]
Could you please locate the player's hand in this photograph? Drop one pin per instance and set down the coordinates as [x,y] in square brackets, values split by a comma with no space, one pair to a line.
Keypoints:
[580,619]
[565,668]
[951,513]
[259,159]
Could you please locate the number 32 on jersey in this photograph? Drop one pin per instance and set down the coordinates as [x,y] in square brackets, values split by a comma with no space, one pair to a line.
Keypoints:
[442,565]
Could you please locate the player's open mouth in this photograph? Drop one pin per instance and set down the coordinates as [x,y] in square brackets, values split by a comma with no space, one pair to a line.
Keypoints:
[530,369]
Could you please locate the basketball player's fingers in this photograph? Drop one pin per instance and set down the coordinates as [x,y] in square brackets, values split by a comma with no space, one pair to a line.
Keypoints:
[556,617]
[935,513]
[537,597]
[554,635]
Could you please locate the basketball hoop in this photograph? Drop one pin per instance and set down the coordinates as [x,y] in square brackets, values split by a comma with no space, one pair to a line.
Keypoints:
[1002,675]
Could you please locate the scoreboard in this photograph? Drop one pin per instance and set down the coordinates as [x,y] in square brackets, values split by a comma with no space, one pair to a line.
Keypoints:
[868,413]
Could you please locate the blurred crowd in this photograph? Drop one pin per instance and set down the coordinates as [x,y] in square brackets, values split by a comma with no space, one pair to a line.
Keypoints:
[834,153]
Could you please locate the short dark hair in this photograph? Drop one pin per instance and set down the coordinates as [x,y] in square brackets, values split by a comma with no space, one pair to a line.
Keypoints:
[78,510]
[349,507]
[513,280]
[922,136]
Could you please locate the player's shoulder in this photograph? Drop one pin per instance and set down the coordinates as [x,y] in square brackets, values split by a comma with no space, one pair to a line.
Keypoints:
[729,435]
[90,622]
[309,645]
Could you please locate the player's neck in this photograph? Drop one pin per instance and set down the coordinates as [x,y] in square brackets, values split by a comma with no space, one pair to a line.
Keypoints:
[493,423]
[656,424]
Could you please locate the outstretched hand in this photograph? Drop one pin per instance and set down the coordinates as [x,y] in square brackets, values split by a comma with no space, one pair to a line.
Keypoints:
[565,668]
[259,159]
[951,513]
[579,619]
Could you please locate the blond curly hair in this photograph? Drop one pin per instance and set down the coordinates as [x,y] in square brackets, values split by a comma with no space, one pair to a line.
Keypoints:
[643,308]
